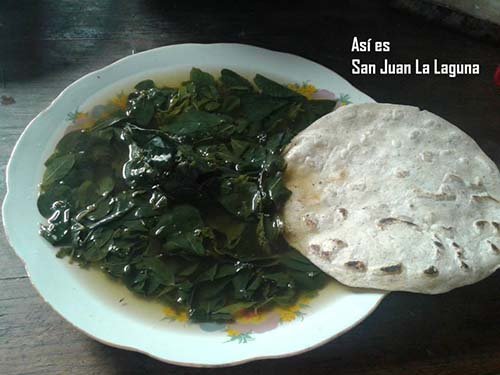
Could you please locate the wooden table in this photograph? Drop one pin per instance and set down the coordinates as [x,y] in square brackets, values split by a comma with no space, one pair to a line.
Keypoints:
[44,46]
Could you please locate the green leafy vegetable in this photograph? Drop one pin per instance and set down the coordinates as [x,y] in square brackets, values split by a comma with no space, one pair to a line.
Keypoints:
[233,81]
[180,197]
[240,196]
[181,230]
[199,124]
[271,88]
[58,168]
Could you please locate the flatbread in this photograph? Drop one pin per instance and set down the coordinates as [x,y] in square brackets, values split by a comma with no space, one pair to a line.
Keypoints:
[390,197]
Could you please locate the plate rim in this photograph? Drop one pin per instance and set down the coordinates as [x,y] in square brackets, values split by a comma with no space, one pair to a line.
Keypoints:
[381,294]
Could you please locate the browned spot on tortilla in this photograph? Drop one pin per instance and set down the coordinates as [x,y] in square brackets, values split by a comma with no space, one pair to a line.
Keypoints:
[436,196]
[483,198]
[438,244]
[494,247]
[322,253]
[464,265]
[458,249]
[453,177]
[386,221]
[496,225]
[480,224]
[431,271]
[356,264]
[394,269]
[343,212]
[326,255]
[339,244]
[314,248]
[311,223]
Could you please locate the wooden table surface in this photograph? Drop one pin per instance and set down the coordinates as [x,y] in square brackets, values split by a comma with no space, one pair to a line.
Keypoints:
[46,45]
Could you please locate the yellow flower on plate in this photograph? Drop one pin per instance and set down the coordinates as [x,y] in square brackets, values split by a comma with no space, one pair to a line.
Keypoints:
[81,116]
[180,316]
[287,315]
[169,312]
[84,120]
[305,89]
[232,332]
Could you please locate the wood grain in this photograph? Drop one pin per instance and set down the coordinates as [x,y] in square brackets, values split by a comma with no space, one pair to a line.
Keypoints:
[44,46]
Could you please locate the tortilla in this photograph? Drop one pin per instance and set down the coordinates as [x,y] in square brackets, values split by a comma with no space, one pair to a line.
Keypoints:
[390,197]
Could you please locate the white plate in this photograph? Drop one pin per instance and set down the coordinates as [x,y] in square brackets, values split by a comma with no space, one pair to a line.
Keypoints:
[108,312]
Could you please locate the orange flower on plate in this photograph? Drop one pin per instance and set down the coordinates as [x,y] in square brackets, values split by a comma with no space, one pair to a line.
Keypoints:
[83,120]
[256,322]
[120,101]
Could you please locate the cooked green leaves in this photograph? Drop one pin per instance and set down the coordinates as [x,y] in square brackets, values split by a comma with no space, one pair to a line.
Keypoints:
[57,168]
[181,229]
[233,81]
[240,196]
[199,125]
[273,89]
[180,197]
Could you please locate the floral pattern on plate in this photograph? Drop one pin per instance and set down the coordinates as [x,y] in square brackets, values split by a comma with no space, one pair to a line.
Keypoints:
[248,323]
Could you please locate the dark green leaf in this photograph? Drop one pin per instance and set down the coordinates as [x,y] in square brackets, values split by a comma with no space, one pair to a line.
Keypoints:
[276,191]
[141,109]
[239,147]
[268,231]
[70,142]
[105,185]
[223,223]
[282,280]
[201,78]
[208,275]
[87,194]
[180,229]
[230,104]
[57,232]
[234,81]
[313,109]
[161,270]
[146,84]
[56,193]
[257,107]
[58,168]
[239,196]
[272,88]
[198,124]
